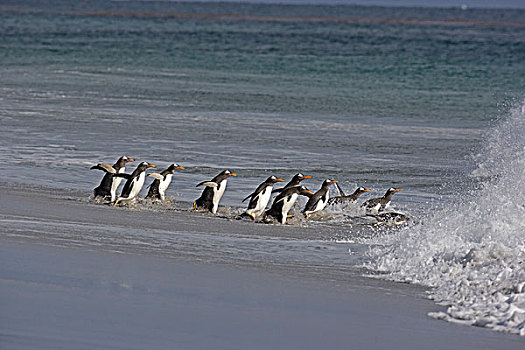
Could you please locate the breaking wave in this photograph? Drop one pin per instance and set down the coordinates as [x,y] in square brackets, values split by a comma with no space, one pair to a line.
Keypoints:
[473,251]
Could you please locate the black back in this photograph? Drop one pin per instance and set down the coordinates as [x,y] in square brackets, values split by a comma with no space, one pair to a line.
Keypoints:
[135,174]
[295,181]
[277,207]
[317,196]
[254,199]
[104,188]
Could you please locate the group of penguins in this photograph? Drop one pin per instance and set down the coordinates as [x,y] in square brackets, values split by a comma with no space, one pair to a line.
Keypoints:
[259,199]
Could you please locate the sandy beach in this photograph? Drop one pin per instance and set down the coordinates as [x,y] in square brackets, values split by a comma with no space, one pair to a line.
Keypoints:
[60,293]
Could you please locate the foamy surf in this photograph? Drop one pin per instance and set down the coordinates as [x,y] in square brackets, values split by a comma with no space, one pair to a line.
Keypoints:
[473,252]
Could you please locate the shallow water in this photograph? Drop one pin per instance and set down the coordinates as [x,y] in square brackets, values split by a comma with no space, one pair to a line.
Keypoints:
[371,96]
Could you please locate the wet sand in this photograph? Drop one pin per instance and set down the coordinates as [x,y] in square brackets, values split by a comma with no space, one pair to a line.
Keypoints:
[60,290]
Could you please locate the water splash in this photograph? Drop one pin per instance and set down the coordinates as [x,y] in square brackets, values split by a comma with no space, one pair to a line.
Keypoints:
[473,251]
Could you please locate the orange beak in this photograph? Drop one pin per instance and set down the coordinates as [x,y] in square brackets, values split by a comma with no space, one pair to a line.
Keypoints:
[280,180]
[152,166]
[180,167]
[131,160]
[367,190]
[308,191]
[399,189]
[233,174]
[307,177]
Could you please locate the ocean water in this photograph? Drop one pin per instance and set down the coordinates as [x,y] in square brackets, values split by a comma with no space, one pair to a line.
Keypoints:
[430,100]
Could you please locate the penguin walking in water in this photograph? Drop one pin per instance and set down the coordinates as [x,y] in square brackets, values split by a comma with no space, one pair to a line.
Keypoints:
[295,181]
[213,192]
[284,201]
[319,200]
[261,196]
[391,218]
[134,183]
[343,198]
[375,205]
[110,183]
[157,189]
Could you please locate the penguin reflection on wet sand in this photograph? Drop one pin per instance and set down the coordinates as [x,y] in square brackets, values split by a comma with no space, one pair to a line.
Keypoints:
[110,183]
[343,198]
[157,189]
[213,192]
[259,198]
[134,183]
[375,205]
[295,181]
[319,200]
[285,201]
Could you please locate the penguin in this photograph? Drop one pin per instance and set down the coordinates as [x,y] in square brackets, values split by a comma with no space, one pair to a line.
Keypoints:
[295,181]
[318,201]
[213,192]
[285,201]
[375,205]
[134,182]
[343,198]
[110,183]
[391,218]
[261,196]
[157,189]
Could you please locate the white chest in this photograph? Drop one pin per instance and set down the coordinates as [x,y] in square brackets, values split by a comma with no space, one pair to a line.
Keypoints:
[137,184]
[322,202]
[288,203]
[264,198]
[163,185]
[116,183]
[218,192]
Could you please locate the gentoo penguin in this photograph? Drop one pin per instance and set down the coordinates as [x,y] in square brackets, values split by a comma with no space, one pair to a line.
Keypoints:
[295,181]
[134,182]
[109,184]
[318,201]
[343,198]
[213,192]
[374,205]
[285,201]
[157,189]
[261,196]
[391,218]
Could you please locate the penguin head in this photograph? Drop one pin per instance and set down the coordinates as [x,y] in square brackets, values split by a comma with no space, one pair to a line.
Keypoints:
[227,173]
[361,190]
[302,190]
[121,162]
[392,190]
[174,167]
[145,165]
[328,182]
[223,175]
[273,179]
[300,177]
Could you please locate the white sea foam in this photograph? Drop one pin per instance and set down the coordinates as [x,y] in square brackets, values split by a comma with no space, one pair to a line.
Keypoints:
[473,252]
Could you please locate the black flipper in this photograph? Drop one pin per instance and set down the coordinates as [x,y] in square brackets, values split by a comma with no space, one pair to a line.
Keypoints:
[126,176]
[341,192]
[251,195]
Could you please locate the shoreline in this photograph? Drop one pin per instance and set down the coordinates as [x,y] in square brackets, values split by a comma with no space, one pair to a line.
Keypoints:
[73,274]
